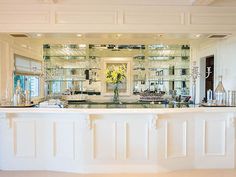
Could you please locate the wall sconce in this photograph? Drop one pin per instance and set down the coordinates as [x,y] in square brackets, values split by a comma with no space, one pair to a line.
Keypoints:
[208,72]
[195,74]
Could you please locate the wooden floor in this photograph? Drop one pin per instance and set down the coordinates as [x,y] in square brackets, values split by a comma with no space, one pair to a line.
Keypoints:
[192,173]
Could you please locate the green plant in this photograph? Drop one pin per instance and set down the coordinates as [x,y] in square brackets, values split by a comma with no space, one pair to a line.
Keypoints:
[115,74]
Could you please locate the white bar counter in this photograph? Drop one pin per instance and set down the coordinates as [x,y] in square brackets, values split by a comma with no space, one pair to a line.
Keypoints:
[117,140]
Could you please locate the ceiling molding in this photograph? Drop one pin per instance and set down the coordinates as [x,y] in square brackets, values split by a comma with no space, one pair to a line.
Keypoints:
[49,1]
[202,2]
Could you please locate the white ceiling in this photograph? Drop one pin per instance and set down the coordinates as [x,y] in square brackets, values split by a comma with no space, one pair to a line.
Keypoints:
[141,2]
[127,38]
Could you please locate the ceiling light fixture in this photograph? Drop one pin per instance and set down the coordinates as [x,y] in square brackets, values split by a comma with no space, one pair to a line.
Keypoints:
[79,35]
[118,35]
[39,35]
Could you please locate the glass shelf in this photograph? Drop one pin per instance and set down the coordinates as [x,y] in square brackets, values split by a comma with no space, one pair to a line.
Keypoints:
[113,46]
[167,68]
[166,58]
[53,68]
[139,58]
[63,57]
[167,80]
[64,80]
[161,58]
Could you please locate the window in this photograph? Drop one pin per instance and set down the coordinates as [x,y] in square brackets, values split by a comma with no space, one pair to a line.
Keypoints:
[56,87]
[27,70]
[28,82]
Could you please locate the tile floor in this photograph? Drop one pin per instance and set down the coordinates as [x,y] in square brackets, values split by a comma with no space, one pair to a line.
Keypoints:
[188,173]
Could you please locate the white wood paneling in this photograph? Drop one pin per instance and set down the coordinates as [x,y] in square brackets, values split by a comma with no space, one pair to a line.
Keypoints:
[122,140]
[168,18]
[138,140]
[64,139]
[24,17]
[176,139]
[213,144]
[103,130]
[86,17]
[125,142]
[212,19]
[115,17]
[214,137]
[202,2]
[24,138]
[116,140]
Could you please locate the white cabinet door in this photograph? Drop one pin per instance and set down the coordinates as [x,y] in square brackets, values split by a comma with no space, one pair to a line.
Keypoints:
[175,141]
[120,138]
[214,143]
[20,144]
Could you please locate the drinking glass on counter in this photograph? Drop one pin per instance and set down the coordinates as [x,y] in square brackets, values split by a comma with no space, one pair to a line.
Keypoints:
[231,98]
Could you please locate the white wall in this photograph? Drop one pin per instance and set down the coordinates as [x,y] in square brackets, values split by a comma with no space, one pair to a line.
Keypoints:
[227,61]
[5,69]
[224,52]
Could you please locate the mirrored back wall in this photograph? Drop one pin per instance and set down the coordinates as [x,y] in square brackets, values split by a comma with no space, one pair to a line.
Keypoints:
[154,68]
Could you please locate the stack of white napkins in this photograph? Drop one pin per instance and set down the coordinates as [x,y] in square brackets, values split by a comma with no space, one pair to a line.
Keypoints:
[53,103]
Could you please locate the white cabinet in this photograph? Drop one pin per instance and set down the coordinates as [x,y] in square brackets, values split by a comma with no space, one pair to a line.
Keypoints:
[176,141]
[202,140]
[124,142]
[214,142]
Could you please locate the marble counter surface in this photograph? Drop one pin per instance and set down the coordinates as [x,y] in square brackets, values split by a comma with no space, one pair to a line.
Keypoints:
[120,110]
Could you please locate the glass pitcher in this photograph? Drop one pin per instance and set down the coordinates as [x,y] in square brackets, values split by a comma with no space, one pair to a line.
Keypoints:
[220,93]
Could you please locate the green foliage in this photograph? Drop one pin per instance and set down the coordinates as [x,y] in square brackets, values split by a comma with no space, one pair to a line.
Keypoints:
[115,74]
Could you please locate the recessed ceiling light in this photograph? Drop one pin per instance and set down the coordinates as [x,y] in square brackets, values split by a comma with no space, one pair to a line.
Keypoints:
[82,45]
[79,35]
[198,35]
[118,35]
[38,35]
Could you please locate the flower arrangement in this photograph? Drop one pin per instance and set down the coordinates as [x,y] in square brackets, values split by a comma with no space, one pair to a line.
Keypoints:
[115,75]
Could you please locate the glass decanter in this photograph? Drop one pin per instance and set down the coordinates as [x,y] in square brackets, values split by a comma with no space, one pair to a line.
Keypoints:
[220,93]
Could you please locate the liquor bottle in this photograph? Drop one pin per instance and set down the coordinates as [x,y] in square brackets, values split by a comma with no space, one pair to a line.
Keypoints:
[17,94]
[27,93]
[209,96]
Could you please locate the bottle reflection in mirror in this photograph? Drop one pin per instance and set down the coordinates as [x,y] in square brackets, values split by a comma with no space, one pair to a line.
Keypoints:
[17,94]
[27,93]
[194,74]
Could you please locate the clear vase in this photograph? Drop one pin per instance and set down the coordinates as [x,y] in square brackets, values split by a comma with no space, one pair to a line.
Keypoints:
[116,93]
[220,93]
